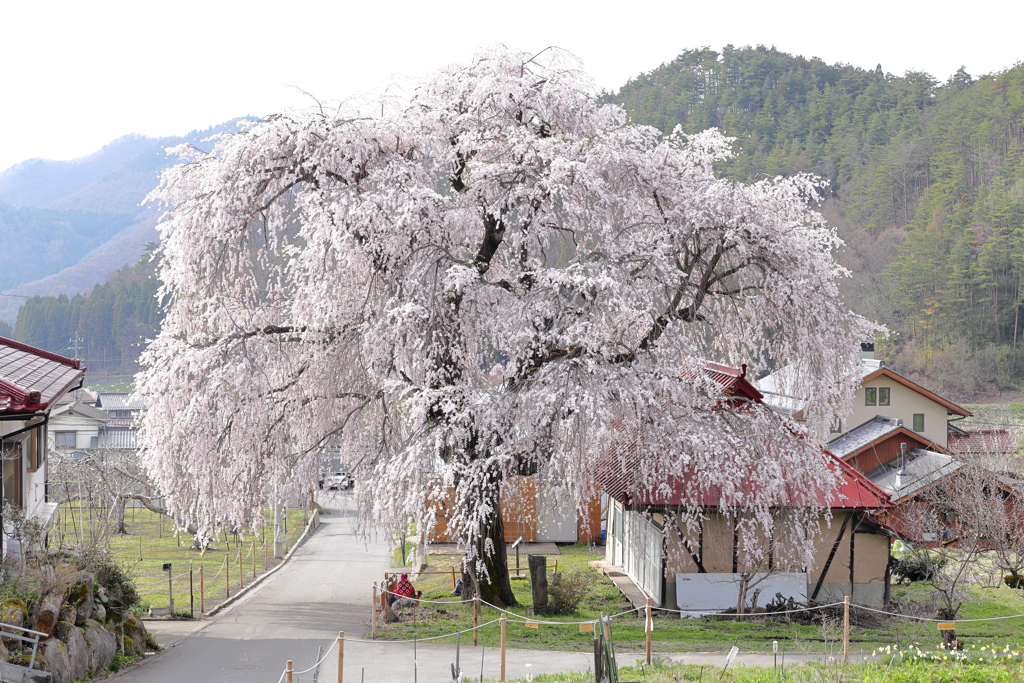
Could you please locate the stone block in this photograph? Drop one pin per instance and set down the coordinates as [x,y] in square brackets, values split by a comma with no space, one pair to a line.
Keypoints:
[78,649]
[102,646]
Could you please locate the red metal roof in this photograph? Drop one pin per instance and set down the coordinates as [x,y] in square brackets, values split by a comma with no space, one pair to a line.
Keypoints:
[982,442]
[733,381]
[618,472]
[32,379]
[854,492]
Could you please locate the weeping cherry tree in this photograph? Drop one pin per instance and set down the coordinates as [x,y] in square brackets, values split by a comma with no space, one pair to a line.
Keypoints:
[485,279]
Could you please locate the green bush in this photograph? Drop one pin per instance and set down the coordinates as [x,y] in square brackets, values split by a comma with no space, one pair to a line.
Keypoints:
[1014,581]
[917,567]
[119,588]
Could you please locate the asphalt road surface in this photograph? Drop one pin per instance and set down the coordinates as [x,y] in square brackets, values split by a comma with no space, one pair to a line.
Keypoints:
[325,588]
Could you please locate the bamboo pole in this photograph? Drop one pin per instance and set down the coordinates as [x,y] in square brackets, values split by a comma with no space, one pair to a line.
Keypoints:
[227,577]
[341,657]
[502,648]
[846,629]
[288,672]
[202,591]
[476,619]
[373,613]
[254,559]
[647,630]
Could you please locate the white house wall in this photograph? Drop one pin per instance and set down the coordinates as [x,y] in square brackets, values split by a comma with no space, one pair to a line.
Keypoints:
[720,591]
[903,404]
[86,429]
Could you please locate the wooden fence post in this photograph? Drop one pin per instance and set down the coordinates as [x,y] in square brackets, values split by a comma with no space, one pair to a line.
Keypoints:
[648,625]
[202,591]
[341,656]
[227,578]
[241,570]
[846,628]
[502,677]
[453,578]
[476,619]
[288,672]
[373,613]
[254,560]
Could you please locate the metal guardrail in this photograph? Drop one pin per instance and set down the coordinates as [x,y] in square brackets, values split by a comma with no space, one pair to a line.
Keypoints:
[5,631]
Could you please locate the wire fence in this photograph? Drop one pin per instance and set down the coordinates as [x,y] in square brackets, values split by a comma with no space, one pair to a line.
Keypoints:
[599,626]
[199,579]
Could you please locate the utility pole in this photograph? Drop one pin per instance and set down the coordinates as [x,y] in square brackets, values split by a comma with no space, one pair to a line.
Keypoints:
[75,344]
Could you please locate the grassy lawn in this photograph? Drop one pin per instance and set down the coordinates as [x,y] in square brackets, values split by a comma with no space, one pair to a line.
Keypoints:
[974,669]
[112,386]
[711,634]
[151,542]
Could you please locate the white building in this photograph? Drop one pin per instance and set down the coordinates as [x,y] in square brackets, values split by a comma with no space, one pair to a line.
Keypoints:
[31,383]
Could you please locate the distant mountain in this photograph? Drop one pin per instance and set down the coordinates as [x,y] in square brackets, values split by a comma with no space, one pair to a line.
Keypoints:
[38,182]
[66,226]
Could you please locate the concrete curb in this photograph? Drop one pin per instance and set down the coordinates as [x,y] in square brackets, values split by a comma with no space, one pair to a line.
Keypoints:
[230,602]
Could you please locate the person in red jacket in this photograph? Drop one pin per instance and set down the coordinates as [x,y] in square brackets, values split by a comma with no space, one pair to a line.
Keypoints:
[403,589]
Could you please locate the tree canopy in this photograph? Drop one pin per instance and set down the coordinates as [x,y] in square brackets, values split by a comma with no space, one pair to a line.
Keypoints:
[926,188]
[489,278]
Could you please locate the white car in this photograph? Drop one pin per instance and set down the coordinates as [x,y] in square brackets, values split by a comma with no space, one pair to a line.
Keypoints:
[339,480]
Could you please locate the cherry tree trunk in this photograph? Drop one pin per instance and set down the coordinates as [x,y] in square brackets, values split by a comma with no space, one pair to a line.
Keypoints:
[495,586]
[117,515]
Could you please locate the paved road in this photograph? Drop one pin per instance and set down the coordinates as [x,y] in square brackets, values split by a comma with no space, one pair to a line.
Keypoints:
[323,589]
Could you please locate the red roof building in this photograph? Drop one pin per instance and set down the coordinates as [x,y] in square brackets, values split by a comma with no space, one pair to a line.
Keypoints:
[31,383]
[850,558]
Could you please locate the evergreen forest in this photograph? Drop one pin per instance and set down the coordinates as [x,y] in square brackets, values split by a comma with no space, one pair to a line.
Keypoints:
[926,189]
[107,328]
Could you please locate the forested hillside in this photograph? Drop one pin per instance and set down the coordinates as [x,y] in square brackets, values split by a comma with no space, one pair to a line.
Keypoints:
[927,189]
[67,225]
[106,328]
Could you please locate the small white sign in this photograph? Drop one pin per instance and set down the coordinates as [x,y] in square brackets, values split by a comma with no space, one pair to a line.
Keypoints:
[731,656]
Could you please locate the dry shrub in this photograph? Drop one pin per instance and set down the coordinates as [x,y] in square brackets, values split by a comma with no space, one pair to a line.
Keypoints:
[567,590]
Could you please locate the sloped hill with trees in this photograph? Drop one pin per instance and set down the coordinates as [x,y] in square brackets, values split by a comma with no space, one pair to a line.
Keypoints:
[927,189]
[68,225]
[110,324]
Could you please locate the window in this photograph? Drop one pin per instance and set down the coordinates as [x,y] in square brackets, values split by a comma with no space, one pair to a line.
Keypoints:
[837,426]
[64,439]
[870,396]
[883,396]
[918,422]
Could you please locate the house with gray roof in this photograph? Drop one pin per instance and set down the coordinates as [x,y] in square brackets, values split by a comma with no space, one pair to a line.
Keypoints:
[882,391]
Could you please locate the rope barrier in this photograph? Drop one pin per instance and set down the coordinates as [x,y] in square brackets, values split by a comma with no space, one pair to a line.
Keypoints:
[930,619]
[521,618]
[385,591]
[751,614]
[420,640]
[321,660]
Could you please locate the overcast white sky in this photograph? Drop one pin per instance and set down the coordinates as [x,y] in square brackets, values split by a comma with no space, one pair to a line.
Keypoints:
[77,75]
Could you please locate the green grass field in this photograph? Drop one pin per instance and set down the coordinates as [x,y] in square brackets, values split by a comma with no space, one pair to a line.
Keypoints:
[711,634]
[151,542]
